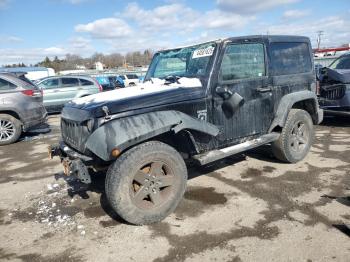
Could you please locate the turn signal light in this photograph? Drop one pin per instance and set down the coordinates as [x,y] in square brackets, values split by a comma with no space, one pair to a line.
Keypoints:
[115,152]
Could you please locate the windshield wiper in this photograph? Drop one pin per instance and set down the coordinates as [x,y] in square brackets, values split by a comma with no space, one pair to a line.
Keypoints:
[171,79]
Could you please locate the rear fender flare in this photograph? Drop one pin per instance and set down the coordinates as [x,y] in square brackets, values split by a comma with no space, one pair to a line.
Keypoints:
[125,132]
[287,103]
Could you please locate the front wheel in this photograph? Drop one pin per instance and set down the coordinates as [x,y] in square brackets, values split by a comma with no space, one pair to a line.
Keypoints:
[146,183]
[296,138]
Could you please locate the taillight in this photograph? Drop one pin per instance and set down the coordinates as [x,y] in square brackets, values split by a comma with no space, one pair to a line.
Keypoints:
[318,88]
[28,92]
[31,92]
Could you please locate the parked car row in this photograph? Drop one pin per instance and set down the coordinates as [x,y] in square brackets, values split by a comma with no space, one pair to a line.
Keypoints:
[24,104]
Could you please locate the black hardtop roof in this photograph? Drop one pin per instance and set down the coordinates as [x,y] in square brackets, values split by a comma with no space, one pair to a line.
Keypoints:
[272,38]
[269,38]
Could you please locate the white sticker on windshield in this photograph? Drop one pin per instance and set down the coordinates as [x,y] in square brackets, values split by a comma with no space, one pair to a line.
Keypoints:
[203,52]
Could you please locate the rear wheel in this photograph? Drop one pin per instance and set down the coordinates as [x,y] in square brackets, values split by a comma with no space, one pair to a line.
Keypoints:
[146,183]
[296,138]
[10,129]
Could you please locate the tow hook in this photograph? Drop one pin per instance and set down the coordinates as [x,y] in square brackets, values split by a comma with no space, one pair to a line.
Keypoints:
[76,168]
[53,150]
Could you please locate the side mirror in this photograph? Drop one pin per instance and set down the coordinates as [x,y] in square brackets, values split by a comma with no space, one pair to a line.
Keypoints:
[223,92]
[232,101]
[232,104]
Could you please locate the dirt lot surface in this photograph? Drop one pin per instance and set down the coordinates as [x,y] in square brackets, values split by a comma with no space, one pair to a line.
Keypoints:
[247,208]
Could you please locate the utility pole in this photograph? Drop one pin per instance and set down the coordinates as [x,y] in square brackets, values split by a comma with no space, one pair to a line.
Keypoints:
[319,35]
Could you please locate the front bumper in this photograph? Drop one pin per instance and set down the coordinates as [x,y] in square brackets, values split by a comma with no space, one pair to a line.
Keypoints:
[74,163]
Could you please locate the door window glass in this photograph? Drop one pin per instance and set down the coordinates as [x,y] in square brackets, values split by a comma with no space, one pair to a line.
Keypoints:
[6,85]
[49,84]
[85,82]
[70,82]
[290,58]
[242,61]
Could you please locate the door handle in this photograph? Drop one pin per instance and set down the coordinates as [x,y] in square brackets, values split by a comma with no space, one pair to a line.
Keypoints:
[263,89]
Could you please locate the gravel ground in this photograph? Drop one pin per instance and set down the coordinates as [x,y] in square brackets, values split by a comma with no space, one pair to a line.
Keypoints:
[246,208]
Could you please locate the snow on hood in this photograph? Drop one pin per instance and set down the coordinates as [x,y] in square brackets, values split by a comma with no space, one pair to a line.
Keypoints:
[150,87]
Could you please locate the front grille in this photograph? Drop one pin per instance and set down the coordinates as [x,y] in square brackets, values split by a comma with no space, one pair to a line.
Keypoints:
[74,134]
[333,92]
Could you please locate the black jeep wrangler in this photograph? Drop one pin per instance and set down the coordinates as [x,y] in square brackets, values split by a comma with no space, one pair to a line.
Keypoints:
[198,103]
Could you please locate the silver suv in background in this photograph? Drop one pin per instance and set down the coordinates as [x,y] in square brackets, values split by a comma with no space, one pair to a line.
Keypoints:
[59,90]
[21,107]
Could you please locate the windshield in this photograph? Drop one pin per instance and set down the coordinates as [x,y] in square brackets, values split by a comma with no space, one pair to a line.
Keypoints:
[342,62]
[184,62]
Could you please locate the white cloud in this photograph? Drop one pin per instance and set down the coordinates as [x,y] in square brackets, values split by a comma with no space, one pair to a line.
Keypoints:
[80,43]
[251,6]
[27,56]
[4,3]
[75,2]
[182,18]
[294,14]
[138,28]
[75,45]
[9,39]
[336,29]
[172,16]
[105,28]
[218,19]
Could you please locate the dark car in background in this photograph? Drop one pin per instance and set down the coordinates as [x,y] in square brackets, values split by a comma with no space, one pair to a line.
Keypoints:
[110,82]
[21,107]
[334,87]
[59,90]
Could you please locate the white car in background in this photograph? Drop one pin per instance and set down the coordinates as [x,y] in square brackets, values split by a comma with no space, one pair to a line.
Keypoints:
[130,79]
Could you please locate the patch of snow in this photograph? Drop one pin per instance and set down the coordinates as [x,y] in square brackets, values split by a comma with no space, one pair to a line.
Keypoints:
[149,87]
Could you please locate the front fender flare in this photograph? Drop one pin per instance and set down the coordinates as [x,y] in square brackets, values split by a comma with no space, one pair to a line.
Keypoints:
[125,132]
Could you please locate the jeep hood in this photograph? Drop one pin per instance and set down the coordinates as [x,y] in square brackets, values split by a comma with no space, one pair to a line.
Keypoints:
[339,75]
[145,95]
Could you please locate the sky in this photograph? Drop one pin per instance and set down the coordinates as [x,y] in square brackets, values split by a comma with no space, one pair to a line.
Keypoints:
[30,30]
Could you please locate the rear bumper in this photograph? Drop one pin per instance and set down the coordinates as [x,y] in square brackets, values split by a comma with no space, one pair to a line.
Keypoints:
[34,119]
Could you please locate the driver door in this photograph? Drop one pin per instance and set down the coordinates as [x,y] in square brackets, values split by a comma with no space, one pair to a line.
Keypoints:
[243,76]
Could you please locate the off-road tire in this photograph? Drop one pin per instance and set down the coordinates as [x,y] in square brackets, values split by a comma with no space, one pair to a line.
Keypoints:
[282,148]
[120,177]
[17,125]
